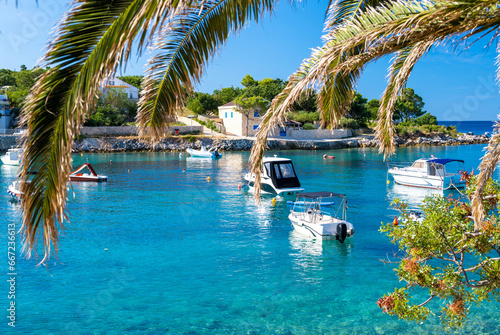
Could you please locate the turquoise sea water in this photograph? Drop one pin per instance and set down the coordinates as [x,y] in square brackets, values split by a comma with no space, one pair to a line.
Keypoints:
[159,251]
[476,127]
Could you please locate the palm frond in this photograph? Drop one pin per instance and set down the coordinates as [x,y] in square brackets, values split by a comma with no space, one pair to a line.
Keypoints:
[487,167]
[401,69]
[92,40]
[187,43]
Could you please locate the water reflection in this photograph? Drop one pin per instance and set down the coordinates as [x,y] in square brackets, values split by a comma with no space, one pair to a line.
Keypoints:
[413,196]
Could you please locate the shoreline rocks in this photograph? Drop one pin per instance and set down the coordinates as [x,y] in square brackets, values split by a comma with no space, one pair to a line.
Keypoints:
[112,144]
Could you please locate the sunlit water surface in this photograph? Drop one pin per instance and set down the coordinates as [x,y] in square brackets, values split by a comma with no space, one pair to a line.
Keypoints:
[160,251]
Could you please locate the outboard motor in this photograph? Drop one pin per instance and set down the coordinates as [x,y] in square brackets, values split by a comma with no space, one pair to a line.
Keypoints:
[341,232]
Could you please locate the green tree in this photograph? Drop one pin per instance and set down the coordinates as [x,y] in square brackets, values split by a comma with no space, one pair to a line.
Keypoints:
[451,261]
[306,102]
[372,106]
[358,111]
[409,106]
[132,80]
[248,81]
[201,103]
[113,109]
[225,95]
[427,118]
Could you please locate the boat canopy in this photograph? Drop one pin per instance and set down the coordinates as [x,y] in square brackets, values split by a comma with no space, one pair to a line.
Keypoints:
[314,195]
[443,161]
[282,173]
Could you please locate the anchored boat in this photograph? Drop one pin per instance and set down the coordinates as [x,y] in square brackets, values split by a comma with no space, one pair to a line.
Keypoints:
[14,190]
[428,173]
[13,156]
[92,176]
[204,153]
[321,215]
[278,177]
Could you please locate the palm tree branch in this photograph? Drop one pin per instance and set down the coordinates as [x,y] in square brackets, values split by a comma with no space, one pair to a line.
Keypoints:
[201,30]
[90,42]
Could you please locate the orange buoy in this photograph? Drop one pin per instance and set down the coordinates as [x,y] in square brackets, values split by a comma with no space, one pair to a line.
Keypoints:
[239,186]
[395,222]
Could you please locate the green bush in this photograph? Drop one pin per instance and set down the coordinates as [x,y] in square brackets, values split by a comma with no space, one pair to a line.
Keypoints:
[427,119]
[210,124]
[409,129]
[349,123]
[190,138]
[308,126]
[304,117]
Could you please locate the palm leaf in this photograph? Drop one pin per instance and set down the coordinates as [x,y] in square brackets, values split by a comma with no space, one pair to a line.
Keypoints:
[89,45]
[187,43]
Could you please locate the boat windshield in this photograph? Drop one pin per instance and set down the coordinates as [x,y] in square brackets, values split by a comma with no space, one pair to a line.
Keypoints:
[286,170]
[419,165]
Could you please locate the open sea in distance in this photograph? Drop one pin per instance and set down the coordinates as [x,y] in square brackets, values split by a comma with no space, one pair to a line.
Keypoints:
[476,127]
[161,251]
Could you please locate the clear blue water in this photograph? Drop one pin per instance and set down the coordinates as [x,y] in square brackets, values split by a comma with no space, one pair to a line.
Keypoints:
[476,127]
[159,251]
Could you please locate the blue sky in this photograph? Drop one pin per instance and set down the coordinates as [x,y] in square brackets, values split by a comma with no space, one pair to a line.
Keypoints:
[454,86]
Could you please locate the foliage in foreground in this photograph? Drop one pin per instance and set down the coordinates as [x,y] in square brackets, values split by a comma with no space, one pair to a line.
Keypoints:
[445,257]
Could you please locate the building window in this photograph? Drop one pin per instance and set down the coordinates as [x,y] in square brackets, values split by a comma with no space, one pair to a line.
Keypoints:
[225,115]
[256,113]
[131,96]
[255,126]
[231,115]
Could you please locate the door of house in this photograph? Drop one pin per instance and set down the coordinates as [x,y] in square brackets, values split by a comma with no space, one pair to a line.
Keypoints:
[282,131]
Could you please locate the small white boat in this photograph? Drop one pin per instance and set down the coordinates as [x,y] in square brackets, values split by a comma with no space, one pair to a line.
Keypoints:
[13,156]
[204,153]
[321,215]
[278,177]
[428,173]
[14,190]
[92,176]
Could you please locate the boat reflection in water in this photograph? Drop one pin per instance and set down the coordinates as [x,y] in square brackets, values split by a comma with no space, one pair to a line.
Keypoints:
[414,196]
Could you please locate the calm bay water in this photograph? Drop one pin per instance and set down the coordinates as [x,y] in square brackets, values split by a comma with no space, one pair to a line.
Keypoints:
[159,251]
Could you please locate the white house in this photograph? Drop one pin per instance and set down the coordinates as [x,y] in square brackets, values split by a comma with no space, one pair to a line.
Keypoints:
[238,123]
[118,84]
[5,112]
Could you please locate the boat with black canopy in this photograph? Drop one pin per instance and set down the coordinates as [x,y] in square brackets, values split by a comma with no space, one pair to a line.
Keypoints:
[278,177]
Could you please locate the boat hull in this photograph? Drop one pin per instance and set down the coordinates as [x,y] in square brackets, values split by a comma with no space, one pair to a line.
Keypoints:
[97,179]
[425,181]
[325,229]
[7,161]
[266,186]
[202,154]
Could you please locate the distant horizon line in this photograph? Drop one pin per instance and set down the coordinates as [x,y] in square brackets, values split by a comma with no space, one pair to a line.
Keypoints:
[467,120]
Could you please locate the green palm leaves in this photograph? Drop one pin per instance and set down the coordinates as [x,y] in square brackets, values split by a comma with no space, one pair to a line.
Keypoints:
[186,43]
[95,38]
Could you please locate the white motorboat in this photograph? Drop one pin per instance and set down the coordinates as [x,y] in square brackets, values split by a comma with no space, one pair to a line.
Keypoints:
[428,173]
[13,156]
[204,153]
[278,177]
[321,215]
[14,190]
[92,176]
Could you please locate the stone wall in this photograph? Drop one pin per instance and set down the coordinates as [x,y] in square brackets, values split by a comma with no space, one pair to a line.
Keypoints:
[130,131]
[318,134]
[7,142]
[238,144]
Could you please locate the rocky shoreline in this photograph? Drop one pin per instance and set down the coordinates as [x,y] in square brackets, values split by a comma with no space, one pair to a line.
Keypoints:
[109,144]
